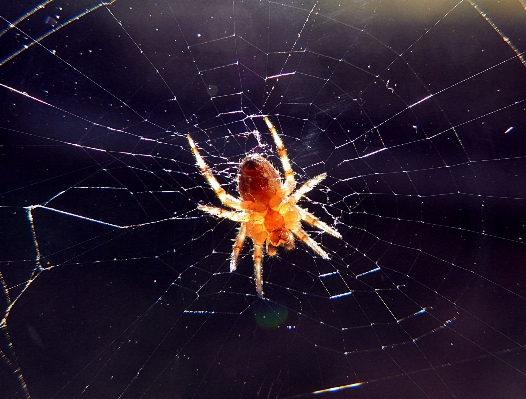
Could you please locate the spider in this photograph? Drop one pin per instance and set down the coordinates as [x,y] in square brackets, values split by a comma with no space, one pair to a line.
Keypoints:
[267,208]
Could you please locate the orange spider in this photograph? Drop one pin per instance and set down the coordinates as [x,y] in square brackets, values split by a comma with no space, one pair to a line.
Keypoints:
[267,208]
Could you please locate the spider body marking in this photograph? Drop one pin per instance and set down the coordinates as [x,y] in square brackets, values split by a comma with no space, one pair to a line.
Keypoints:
[259,186]
[267,208]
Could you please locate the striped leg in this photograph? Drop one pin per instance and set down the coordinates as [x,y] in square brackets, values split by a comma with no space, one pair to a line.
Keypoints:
[225,198]
[314,221]
[224,213]
[304,237]
[258,269]
[307,186]
[237,246]
[290,182]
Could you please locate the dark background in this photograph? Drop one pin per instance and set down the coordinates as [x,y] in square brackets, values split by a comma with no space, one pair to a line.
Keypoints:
[114,285]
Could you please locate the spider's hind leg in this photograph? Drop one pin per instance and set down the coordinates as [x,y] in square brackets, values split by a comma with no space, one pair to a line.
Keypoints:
[290,181]
[226,199]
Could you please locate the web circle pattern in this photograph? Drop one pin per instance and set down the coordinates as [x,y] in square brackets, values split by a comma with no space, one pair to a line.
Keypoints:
[115,285]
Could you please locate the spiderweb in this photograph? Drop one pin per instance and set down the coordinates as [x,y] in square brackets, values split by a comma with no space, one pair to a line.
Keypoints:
[115,285]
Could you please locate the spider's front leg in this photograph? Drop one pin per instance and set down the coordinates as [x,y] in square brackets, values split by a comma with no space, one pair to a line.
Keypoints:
[258,269]
[240,240]
[305,238]
[314,221]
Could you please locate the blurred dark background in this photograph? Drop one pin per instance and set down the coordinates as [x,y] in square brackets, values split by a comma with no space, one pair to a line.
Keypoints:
[114,285]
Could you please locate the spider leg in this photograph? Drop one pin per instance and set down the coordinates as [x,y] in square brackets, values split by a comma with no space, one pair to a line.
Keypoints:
[224,213]
[314,221]
[237,246]
[225,198]
[307,186]
[304,237]
[290,182]
[258,270]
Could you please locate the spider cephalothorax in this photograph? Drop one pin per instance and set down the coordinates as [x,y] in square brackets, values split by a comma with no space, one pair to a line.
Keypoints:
[267,208]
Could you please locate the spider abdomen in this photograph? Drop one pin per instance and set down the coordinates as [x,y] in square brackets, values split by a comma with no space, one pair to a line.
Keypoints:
[258,180]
